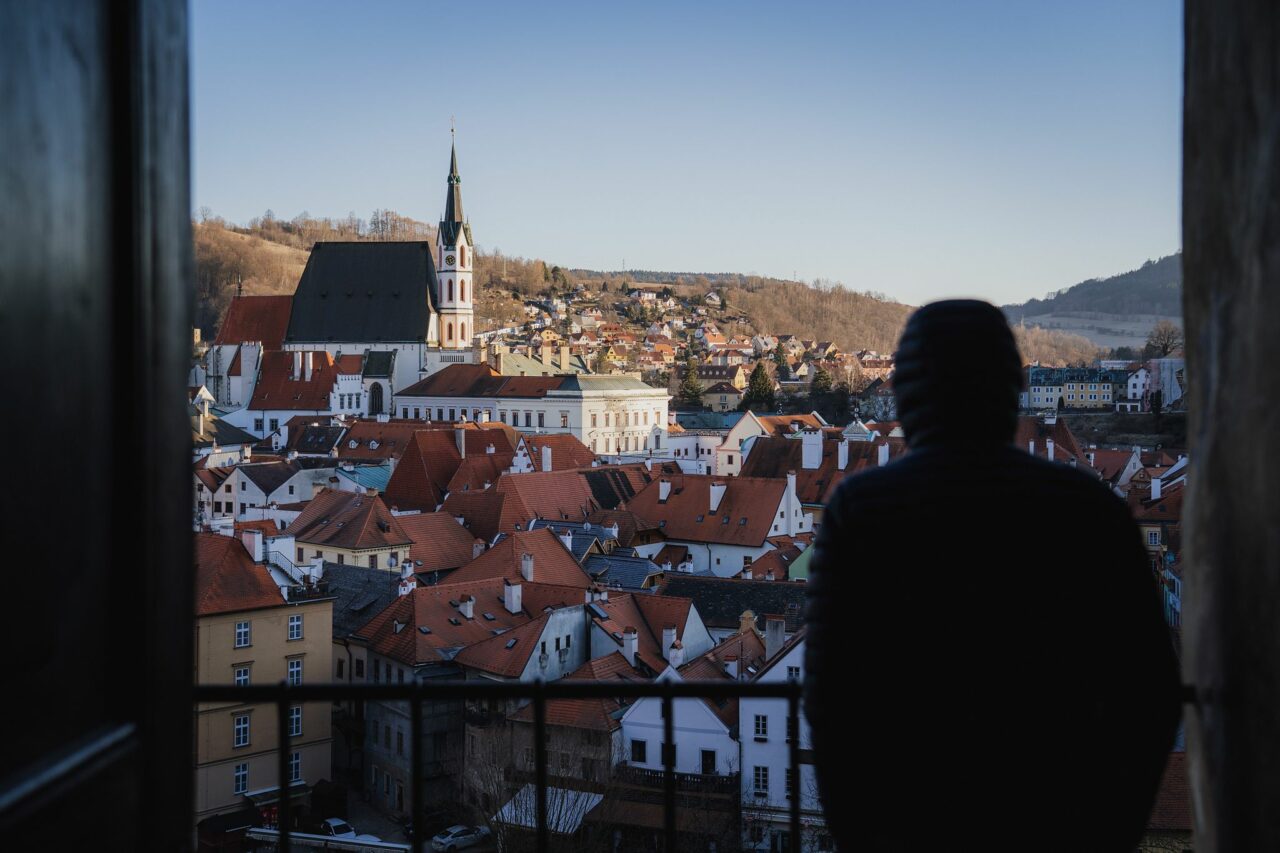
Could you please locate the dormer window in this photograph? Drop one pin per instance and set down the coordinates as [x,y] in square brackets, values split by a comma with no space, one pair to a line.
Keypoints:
[373,445]
[353,444]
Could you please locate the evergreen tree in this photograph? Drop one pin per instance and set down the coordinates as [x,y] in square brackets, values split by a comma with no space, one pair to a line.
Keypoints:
[690,386]
[759,396]
[784,369]
[822,381]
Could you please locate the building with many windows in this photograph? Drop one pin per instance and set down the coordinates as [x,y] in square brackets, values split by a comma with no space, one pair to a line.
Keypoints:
[256,627]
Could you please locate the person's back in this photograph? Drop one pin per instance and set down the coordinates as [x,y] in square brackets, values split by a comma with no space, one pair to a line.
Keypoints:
[987,665]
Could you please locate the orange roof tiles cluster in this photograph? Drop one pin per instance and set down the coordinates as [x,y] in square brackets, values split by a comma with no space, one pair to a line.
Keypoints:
[552,563]
[256,318]
[227,579]
[279,390]
[745,514]
[347,520]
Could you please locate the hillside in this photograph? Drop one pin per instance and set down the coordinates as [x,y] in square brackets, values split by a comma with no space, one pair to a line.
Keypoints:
[1111,312]
[268,255]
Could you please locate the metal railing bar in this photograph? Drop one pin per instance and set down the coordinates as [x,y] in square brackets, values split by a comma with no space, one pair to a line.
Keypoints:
[540,762]
[797,789]
[668,774]
[283,810]
[72,767]
[415,786]
[455,690]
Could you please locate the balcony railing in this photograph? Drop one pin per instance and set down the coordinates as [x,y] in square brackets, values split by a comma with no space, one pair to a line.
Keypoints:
[284,695]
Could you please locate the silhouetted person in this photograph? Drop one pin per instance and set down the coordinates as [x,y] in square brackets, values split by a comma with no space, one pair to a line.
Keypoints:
[987,663]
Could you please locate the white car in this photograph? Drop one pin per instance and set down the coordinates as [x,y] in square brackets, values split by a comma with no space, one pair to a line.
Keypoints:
[336,827]
[459,837]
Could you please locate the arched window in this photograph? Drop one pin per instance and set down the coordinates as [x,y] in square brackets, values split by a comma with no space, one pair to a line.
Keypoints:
[450,290]
[449,334]
[462,290]
[462,257]
[462,331]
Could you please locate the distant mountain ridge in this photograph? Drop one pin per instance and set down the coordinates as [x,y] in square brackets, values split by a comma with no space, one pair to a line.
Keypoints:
[1155,288]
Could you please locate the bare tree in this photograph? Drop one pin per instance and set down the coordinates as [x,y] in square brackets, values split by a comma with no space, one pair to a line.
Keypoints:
[1165,337]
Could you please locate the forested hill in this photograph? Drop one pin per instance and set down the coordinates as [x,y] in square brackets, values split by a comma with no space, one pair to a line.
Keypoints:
[1154,288]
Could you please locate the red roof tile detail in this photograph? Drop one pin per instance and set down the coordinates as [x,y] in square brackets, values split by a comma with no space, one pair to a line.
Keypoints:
[256,318]
[551,562]
[279,390]
[687,510]
[348,520]
[227,579]
[440,543]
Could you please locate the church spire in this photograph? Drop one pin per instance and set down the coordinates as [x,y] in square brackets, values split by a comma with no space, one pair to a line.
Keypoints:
[453,220]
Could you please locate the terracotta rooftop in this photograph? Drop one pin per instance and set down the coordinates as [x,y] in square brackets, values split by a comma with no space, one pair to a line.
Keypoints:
[256,318]
[347,520]
[227,579]
[279,390]
[439,542]
[552,563]
[745,515]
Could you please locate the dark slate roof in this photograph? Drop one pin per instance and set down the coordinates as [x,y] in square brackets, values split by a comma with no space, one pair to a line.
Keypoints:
[361,593]
[270,476]
[708,420]
[216,430]
[609,486]
[364,292]
[379,364]
[721,601]
[615,569]
[583,533]
[317,438]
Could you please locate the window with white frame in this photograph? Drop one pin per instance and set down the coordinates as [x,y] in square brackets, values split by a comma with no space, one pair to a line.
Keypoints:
[295,672]
[793,673]
[295,767]
[240,779]
[761,777]
[242,634]
[1153,537]
[295,627]
[241,678]
[762,727]
[240,729]
[295,721]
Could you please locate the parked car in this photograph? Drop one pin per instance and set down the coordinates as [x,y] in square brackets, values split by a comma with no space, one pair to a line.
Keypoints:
[459,837]
[336,827]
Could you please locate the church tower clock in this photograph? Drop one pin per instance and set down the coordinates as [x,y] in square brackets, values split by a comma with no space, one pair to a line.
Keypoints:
[456,253]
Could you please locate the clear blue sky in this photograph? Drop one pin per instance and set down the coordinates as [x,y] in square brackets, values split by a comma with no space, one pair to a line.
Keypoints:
[921,149]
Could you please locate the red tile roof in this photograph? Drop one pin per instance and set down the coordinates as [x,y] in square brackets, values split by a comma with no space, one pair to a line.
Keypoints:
[397,631]
[278,390]
[567,452]
[505,655]
[440,543]
[1033,428]
[227,579]
[256,318]
[783,424]
[744,517]
[552,563]
[629,524]
[775,456]
[481,512]
[480,380]
[648,614]
[348,520]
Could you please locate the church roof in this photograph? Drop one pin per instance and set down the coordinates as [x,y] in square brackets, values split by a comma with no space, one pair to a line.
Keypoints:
[364,292]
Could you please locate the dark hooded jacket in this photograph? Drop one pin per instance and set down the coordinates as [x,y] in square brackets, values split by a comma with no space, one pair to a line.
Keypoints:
[987,664]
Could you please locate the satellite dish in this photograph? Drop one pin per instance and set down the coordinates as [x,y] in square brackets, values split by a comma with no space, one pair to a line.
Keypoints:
[391,562]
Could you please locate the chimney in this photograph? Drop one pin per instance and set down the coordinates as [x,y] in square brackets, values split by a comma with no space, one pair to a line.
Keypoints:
[545,354]
[297,364]
[252,540]
[317,568]
[477,548]
[546,458]
[791,483]
[811,451]
[489,449]
[882,458]
[731,666]
[612,530]
[371,492]
[842,454]
[768,575]
[746,622]
[406,569]
[526,566]
[775,633]
[564,358]
[717,494]
[383,418]
[460,438]
[1049,451]
[668,640]
[566,539]
[629,642]
[511,596]
[746,573]
[676,655]
[484,416]
[666,566]
[291,455]
[664,489]
[202,417]
[308,364]
[1156,486]
[204,408]
[467,607]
